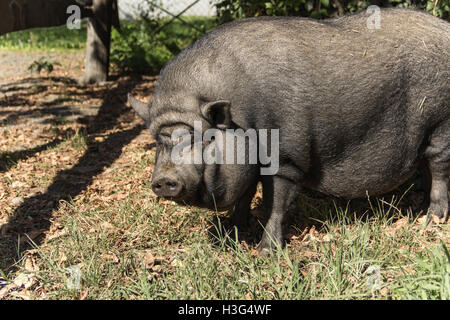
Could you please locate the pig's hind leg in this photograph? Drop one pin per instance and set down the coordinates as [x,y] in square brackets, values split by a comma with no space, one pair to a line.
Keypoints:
[437,156]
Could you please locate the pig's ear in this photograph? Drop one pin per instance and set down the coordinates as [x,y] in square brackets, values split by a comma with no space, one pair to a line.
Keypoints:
[217,113]
[141,108]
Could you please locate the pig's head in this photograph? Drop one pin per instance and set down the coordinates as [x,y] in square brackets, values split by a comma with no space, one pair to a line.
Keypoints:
[213,185]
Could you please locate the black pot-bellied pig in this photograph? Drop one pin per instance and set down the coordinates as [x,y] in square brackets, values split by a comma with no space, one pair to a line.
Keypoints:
[359,107]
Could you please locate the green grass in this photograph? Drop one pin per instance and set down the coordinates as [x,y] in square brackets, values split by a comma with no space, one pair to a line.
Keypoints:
[137,47]
[45,38]
[63,38]
[111,247]
[79,141]
[142,248]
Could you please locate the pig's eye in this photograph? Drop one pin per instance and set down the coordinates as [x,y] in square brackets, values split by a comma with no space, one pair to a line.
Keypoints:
[187,138]
[190,136]
[164,138]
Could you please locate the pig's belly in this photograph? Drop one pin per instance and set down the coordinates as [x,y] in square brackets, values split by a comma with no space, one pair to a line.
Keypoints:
[355,179]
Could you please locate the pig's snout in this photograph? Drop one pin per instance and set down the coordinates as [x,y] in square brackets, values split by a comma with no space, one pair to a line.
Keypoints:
[167,187]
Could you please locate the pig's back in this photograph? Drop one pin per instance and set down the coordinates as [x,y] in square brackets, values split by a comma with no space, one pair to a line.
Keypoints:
[302,63]
[353,104]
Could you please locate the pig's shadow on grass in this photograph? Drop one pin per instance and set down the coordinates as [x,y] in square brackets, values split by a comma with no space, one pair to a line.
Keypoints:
[313,209]
[34,214]
[221,230]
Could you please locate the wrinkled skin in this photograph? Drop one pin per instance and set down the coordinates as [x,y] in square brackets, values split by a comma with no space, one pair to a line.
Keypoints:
[211,186]
[359,110]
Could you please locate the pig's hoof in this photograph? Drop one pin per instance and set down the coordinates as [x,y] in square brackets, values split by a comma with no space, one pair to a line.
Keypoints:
[436,215]
[264,252]
[265,248]
[433,219]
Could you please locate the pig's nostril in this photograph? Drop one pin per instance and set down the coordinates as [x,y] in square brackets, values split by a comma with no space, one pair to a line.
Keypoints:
[172,184]
[156,186]
[167,187]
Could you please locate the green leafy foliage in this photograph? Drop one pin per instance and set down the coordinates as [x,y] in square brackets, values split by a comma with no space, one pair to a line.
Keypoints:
[147,44]
[138,48]
[235,9]
[43,64]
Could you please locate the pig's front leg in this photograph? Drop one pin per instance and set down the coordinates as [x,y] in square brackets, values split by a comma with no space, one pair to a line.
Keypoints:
[278,194]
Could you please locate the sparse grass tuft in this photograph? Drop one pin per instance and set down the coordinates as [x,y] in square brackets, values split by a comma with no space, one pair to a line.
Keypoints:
[79,141]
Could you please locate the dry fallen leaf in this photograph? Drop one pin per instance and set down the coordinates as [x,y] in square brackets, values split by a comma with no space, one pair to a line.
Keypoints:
[177,263]
[17,184]
[435,220]
[106,226]
[57,234]
[24,280]
[156,268]
[17,201]
[4,291]
[31,235]
[400,223]
[84,294]
[146,258]
[312,234]
[111,257]
[30,265]
[62,258]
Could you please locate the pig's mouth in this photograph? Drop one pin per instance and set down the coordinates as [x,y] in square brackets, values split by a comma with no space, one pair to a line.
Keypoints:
[211,200]
[190,196]
[201,198]
[199,195]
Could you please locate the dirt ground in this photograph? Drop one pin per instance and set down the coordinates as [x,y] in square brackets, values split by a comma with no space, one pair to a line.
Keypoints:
[38,114]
